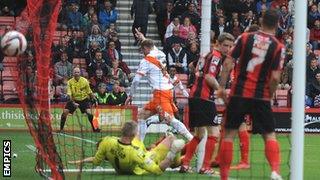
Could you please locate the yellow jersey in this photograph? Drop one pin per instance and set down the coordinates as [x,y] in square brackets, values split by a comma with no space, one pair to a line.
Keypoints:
[126,158]
[78,90]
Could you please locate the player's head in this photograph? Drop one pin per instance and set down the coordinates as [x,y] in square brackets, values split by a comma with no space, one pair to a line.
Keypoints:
[270,19]
[146,46]
[225,42]
[129,130]
[76,73]
[318,76]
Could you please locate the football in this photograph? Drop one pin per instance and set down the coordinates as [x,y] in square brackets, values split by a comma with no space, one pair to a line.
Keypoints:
[13,43]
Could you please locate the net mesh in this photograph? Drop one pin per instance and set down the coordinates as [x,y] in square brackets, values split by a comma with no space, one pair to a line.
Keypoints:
[33,88]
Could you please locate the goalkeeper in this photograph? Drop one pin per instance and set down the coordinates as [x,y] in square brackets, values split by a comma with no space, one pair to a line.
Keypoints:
[128,154]
[79,94]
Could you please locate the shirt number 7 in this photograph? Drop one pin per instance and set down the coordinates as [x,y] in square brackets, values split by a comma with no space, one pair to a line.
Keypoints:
[258,58]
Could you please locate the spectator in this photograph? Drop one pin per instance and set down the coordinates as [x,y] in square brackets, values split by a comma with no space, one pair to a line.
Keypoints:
[122,95]
[86,20]
[288,34]
[193,15]
[291,6]
[63,46]
[177,57]
[76,44]
[93,22]
[29,79]
[220,27]
[96,36]
[310,54]
[63,16]
[285,21]
[235,29]
[174,24]
[312,71]
[186,28]
[140,11]
[164,17]
[113,54]
[313,15]
[118,96]
[97,79]
[111,31]
[262,5]
[175,81]
[175,38]
[62,69]
[192,38]
[180,6]
[278,3]
[193,54]
[286,76]
[216,4]
[6,11]
[107,15]
[248,20]
[102,94]
[117,74]
[60,93]
[74,20]
[249,5]
[91,53]
[98,63]
[114,37]
[315,35]
[314,91]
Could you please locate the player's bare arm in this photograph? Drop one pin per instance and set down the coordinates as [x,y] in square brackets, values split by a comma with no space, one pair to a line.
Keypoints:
[86,160]
[226,69]
[274,81]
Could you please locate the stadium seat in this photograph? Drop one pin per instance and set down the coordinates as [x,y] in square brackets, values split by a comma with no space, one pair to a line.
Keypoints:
[9,91]
[9,74]
[7,21]
[282,98]
[10,62]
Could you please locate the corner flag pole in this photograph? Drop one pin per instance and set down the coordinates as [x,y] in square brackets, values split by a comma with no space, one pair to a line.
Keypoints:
[299,81]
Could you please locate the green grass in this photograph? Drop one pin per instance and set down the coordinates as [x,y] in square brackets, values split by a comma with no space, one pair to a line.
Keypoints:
[70,148]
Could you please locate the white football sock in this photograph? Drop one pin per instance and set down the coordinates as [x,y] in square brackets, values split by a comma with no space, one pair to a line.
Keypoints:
[152,120]
[181,128]
[142,129]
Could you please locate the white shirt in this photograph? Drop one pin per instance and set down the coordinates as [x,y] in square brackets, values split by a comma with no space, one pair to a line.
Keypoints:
[155,76]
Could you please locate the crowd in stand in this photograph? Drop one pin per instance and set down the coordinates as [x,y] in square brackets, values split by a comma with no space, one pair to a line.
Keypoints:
[179,25]
[93,35]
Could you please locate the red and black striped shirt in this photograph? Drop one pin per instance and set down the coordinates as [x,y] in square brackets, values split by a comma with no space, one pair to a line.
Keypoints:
[211,65]
[257,55]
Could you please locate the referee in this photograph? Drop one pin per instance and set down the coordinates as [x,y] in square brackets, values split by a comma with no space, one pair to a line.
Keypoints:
[79,93]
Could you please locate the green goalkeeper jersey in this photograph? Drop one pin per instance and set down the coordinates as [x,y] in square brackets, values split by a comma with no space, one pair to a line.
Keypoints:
[126,158]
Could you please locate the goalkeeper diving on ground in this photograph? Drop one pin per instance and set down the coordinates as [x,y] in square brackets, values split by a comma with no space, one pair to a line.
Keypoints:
[128,155]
